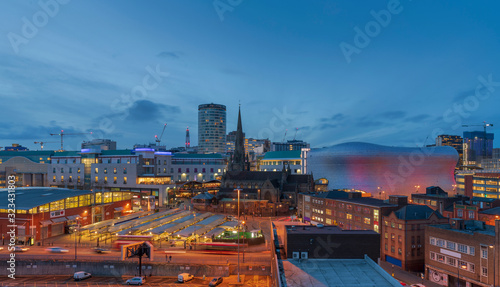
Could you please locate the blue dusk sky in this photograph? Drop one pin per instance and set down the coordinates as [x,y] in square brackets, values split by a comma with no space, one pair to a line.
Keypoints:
[385,72]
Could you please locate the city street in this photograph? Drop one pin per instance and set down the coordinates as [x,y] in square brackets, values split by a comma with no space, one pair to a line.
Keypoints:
[47,280]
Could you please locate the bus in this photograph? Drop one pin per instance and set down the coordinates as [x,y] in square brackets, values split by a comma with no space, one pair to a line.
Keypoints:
[129,239]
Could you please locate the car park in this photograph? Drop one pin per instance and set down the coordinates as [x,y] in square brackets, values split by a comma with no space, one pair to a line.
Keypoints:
[215,281]
[136,281]
[57,250]
[184,277]
[80,275]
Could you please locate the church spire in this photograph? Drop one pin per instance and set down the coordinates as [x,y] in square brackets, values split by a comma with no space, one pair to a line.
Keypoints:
[238,162]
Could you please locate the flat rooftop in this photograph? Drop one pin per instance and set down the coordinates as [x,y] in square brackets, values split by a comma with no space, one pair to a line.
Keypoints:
[336,272]
[329,229]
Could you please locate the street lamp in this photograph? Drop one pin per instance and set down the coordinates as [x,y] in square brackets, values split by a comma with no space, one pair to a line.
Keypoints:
[238,189]
[76,233]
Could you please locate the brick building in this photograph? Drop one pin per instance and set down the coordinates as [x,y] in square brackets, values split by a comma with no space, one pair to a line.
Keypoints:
[402,243]
[462,253]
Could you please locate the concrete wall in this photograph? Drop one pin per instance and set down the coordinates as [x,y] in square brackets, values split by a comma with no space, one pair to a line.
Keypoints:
[119,268]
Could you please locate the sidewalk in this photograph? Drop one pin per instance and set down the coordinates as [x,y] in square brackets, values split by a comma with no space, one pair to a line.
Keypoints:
[406,277]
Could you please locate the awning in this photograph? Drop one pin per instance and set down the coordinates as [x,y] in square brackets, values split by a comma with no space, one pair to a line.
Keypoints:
[72,217]
[118,208]
[45,222]
[59,219]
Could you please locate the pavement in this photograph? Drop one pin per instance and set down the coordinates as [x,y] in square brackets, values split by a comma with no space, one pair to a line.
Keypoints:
[405,276]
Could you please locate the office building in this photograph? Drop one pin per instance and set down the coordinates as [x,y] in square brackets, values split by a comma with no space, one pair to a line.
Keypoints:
[462,253]
[477,146]
[479,183]
[289,145]
[211,128]
[454,141]
[274,161]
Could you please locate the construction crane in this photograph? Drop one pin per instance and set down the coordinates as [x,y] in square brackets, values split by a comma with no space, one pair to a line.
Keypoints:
[41,144]
[296,130]
[284,137]
[158,139]
[62,134]
[484,125]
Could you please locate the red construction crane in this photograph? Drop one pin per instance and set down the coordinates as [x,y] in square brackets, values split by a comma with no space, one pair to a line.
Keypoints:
[62,134]
[158,139]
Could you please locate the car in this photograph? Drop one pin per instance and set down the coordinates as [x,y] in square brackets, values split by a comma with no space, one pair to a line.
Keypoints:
[215,281]
[402,283]
[101,250]
[417,285]
[136,281]
[80,275]
[19,249]
[57,250]
[184,277]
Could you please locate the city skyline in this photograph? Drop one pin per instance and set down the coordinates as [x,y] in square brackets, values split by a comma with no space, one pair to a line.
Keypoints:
[337,71]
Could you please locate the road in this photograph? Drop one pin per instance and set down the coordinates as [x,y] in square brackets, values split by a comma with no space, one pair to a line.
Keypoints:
[194,257]
[256,281]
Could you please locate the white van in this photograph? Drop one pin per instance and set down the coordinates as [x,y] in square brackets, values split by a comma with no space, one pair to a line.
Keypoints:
[80,275]
[184,277]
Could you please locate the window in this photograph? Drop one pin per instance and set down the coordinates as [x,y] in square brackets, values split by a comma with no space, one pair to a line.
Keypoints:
[472,250]
[187,170]
[433,240]
[400,226]
[114,170]
[78,179]
[125,170]
[392,248]
[450,245]
[195,170]
[400,238]
[440,258]
[180,170]
[393,236]
[433,256]
[399,251]
[203,170]
[124,180]
[440,243]
[413,240]
[70,179]
[114,180]
[462,248]
[451,261]
[386,248]
[393,225]
[418,239]
[471,214]
[54,179]
[386,235]
[70,170]
[460,213]
[367,220]
[78,170]
[484,272]
[96,170]
[484,253]
[105,179]
[62,169]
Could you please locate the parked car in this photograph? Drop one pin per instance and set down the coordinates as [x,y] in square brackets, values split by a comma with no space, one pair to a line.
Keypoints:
[19,249]
[136,281]
[184,277]
[80,275]
[402,283]
[101,250]
[57,250]
[216,281]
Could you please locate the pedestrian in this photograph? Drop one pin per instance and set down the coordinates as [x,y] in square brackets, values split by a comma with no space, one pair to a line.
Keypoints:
[170,258]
